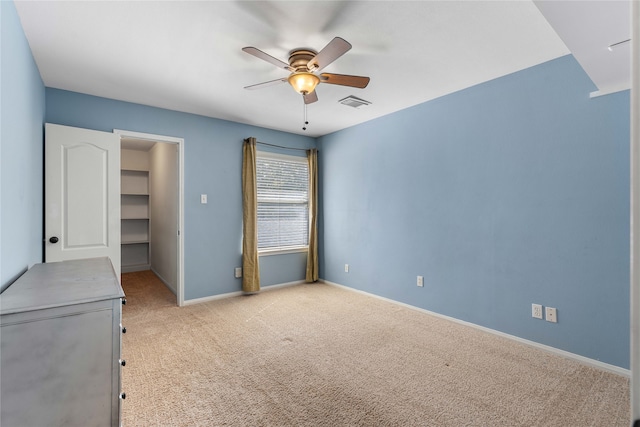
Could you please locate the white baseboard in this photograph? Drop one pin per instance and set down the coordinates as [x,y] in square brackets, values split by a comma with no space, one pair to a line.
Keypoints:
[238,293]
[582,359]
[163,281]
[134,268]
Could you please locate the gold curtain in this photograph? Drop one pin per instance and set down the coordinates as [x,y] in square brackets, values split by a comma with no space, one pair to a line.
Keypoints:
[250,267]
[312,254]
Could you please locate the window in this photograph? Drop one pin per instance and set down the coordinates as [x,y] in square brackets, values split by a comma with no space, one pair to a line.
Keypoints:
[283,202]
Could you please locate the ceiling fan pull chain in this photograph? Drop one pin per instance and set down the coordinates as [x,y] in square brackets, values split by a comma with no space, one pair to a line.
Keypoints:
[304,126]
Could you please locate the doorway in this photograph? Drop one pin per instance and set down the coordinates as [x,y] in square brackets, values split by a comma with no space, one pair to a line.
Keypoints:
[152,207]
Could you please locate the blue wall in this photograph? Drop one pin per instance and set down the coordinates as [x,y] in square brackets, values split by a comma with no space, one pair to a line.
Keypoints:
[21,130]
[512,192]
[212,166]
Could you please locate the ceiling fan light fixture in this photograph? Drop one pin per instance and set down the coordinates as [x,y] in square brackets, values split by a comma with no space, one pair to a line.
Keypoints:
[303,83]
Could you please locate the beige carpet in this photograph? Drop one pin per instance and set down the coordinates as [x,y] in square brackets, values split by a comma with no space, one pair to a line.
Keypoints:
[317,355]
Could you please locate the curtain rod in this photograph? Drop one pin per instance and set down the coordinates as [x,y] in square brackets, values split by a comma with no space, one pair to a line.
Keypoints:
[280,146]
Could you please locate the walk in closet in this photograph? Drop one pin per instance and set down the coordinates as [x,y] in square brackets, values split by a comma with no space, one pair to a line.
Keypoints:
[149,208]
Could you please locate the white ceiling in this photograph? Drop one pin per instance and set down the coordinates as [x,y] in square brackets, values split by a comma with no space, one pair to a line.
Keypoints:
[588,28]
[187,56]
[136,144]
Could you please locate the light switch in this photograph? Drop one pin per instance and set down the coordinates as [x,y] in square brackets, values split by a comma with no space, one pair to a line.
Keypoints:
[203,199]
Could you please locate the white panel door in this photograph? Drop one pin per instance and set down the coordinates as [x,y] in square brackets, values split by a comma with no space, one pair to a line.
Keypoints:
[82,194]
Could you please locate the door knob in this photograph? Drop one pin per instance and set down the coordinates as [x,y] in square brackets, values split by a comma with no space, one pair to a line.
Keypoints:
[54,239]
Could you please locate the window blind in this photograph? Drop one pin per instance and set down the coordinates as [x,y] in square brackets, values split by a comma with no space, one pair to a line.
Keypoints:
[283,201]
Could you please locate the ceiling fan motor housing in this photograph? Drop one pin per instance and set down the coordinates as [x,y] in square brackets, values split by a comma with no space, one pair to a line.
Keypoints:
[299,58]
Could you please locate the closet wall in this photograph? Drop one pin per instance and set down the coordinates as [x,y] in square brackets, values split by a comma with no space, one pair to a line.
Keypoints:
[163,202]
[150,210]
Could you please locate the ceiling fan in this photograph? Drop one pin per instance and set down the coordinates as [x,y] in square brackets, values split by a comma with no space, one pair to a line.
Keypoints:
[304,63]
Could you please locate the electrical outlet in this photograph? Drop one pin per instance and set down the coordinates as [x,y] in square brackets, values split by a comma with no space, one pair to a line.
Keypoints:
[203,199]
[238,272]
[551,314]
[420,281]
[346,268]
[536,311]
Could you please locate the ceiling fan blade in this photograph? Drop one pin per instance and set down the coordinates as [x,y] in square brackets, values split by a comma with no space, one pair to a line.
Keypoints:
[345,80]
[266,57]
[266,84]
[310,98]
[334,50]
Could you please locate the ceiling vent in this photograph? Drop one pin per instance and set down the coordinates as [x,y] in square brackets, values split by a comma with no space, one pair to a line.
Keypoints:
[353,101]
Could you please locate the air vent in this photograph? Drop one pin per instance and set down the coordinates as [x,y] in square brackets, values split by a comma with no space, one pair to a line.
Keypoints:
[353,101]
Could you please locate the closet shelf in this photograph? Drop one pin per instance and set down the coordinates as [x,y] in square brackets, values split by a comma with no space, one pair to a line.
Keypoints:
[133,242]
[133,170]
[134,194]
[139,218]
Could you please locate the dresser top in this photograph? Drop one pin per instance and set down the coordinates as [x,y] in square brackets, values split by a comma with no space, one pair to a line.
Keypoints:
[62,283]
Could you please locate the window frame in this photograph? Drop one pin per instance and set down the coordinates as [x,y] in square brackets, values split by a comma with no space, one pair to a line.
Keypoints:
[283,249]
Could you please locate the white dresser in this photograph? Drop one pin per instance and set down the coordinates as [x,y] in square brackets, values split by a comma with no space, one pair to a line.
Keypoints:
[60,335]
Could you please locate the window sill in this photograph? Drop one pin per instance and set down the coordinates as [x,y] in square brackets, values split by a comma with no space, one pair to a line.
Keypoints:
[268,252]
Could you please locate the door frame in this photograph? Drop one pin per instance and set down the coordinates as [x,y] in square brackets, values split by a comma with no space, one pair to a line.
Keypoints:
[635,214]
[180,143]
